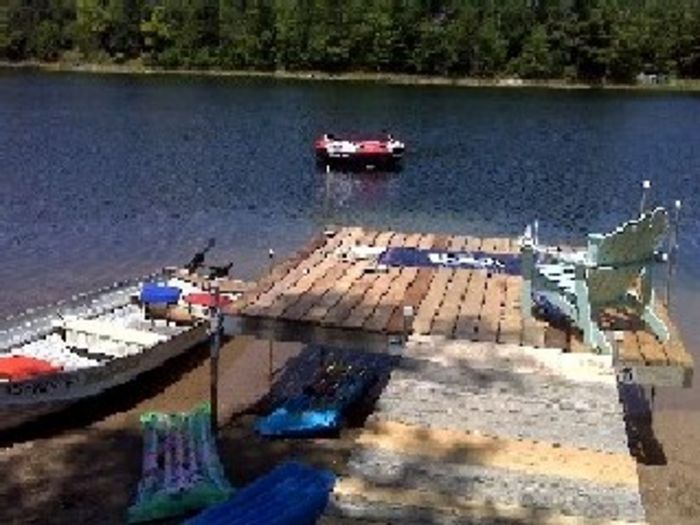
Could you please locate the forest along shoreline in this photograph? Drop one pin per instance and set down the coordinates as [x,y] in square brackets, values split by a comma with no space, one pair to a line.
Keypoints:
[682,85]
[627,42]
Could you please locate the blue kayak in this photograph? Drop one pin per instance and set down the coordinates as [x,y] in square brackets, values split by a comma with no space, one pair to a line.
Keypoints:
[291,494]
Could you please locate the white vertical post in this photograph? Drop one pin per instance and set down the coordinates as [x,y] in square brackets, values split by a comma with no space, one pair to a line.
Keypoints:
[528,264]
[672,251]
[646,185]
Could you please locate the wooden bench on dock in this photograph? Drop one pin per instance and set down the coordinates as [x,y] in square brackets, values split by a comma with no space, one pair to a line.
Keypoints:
[106,330]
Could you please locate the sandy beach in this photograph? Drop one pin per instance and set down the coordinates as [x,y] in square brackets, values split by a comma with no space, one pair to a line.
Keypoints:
[84,465]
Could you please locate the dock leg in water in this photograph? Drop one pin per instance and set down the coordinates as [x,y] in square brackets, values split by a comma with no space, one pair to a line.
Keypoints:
[216,325]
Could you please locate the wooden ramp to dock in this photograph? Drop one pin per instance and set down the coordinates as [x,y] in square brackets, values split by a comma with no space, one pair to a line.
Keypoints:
[482,433]
[319,287]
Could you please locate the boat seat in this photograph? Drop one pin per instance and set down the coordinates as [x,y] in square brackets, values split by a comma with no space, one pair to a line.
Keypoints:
[110,331]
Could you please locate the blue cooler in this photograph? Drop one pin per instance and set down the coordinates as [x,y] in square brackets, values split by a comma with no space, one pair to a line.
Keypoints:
[157,293]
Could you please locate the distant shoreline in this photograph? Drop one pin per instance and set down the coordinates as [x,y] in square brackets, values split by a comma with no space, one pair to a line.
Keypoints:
[689,85]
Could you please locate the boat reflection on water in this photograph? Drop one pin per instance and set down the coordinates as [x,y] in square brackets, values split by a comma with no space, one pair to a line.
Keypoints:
[374,168]
[344,190]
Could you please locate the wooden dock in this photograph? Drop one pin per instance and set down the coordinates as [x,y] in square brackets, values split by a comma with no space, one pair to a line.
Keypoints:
[322,288]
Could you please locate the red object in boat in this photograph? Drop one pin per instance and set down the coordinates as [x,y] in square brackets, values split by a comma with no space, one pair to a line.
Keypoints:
[17,368]
[367,149]
[207,299]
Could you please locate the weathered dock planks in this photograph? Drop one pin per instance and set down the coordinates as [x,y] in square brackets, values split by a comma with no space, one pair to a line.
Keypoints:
[321,287]
[438,448]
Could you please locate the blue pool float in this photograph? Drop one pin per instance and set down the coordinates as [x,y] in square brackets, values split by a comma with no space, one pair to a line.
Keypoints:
[291,494]
[306,415]
[289,423]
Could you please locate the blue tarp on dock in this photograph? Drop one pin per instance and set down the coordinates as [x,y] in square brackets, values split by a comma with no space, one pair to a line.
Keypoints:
[478,260]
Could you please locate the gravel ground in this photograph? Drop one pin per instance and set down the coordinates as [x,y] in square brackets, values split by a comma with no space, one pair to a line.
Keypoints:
[549,412]
[569,496]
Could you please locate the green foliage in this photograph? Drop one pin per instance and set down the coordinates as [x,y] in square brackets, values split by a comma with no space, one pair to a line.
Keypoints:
[46,41]
[535,60]
[156,30]
[91,27]
[4,29]
[590,40]
[490,49]
[431,52]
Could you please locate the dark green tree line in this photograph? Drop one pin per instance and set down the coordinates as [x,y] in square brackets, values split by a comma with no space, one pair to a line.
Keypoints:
[591,40]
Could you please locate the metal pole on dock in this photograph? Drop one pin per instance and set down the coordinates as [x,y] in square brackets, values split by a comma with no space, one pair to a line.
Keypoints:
[215,343]
[672,252]
[327,194]
[271,257]
[269,360]
[270,342]
[646,185]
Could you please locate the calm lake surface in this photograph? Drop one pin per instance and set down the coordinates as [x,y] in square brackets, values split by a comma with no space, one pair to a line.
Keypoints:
[103,177]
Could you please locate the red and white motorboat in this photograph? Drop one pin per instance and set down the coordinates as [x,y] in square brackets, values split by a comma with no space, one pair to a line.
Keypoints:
[369,150]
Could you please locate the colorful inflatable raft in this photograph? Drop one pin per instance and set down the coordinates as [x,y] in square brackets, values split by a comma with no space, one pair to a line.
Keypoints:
[181,468]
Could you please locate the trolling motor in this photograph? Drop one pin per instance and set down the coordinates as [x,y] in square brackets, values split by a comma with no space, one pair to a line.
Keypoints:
[198,259]
[219,271]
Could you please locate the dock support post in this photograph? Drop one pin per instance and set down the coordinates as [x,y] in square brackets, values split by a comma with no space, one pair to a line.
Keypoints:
[327,183]
[407,322]
[269,360]
[215,343]
[646,185]
[270,342]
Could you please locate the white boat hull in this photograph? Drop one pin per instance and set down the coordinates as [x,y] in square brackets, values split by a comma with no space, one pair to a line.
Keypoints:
[23,401]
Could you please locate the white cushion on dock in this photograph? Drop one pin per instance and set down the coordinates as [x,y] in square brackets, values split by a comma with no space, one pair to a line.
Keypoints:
[361,252]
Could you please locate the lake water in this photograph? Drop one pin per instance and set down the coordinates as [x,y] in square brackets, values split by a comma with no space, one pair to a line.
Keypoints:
[103,177]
